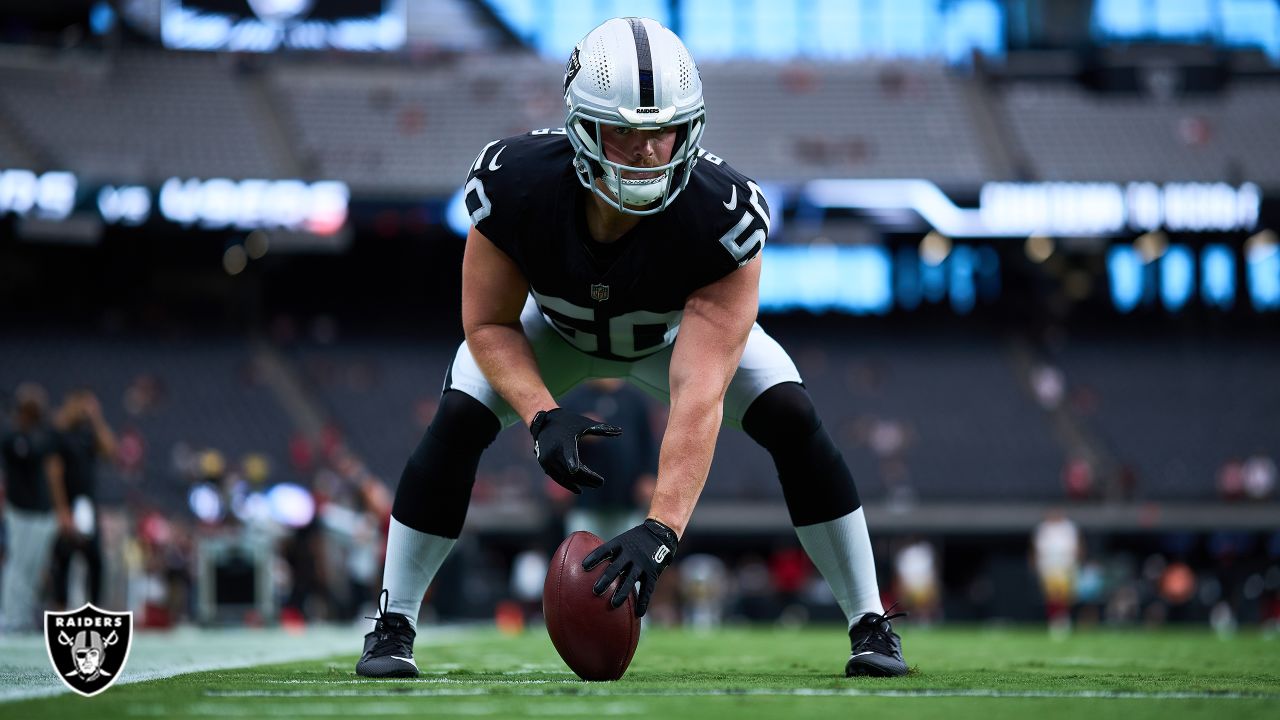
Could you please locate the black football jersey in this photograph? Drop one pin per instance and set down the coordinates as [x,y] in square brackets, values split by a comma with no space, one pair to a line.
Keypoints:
[623,300]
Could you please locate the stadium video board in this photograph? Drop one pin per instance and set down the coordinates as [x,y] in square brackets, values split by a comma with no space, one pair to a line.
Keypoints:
[318,208]
[274,25]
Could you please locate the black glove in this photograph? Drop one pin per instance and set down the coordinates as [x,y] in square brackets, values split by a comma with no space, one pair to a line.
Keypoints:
[555,444]
[642,553]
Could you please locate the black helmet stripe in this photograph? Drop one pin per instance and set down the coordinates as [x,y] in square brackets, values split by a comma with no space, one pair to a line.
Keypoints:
[644,59]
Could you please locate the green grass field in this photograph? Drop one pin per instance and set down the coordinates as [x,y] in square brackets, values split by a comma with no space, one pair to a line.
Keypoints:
[741,674]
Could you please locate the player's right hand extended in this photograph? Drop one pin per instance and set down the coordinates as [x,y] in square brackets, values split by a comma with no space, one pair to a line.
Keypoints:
[555,444]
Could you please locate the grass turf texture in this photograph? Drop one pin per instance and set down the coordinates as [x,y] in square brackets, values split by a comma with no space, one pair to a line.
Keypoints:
[743,674]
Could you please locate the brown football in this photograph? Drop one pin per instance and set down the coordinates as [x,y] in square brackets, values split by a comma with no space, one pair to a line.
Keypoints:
[595,640]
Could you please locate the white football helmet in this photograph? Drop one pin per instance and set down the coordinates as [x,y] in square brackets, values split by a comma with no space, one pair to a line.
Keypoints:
[637,73]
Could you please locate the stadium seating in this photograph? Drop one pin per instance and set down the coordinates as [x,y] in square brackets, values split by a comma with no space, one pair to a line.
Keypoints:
[208,397]
[13,152]
[450,25]
[372,393]
[910,426]
[380,395]
[412,130]
[399,129]
[865,120]
[1067,133]
[1175,409]
[964,427]
[139,116]
[969,428]
[972,431]
[417,129]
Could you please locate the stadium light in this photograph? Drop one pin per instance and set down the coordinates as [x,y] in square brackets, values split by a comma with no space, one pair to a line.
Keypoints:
[1218,276]
[1039,248]
[1261,246]
[234,259]
[1262,258]
[257,243]
[934,248]
[1151,246]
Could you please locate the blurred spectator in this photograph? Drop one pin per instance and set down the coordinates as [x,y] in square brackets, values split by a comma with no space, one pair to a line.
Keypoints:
[131,454]
[301,454]
[1259,476]
[889,440]
[703,590]
[256,468]
[1195,131]
[916,568]
[1091,593]
[1049,386]
[36,506]
[628,464]
[361,529]
[1056,552]
[1231,480]
[755,600]
[789,573]
[1126,483]
[528,572]
[310,594]
[144,396]
[1077,479]
[165,557]
[1177,587]
[83,437]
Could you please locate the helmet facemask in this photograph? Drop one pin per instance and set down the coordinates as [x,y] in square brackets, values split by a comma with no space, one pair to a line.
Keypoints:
[635,196]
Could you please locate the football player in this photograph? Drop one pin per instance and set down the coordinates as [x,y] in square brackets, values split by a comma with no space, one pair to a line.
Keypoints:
[618,247]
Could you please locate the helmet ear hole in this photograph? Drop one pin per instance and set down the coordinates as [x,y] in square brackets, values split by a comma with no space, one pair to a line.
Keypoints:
[682,136]
[589,132]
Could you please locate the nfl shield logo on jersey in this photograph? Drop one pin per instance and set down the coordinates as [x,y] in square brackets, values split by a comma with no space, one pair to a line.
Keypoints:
[88,647]
[599,293]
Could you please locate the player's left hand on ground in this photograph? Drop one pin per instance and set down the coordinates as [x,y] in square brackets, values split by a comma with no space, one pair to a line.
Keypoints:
[555,443]
[638,555]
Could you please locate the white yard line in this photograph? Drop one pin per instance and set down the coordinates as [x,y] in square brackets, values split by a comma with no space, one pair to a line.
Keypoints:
[594,691]
[25,671]
[385,708]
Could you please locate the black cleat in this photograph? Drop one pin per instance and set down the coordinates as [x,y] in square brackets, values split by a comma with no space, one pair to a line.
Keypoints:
[388,649]
[877,649]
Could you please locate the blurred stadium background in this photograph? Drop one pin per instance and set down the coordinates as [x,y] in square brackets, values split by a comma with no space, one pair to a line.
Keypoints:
[1024,253]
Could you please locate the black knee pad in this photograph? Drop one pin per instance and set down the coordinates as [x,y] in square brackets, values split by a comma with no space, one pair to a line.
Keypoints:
[435,487]
[816,482]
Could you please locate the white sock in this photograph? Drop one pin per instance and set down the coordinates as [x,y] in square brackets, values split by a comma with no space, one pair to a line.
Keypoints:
[413,557]
[841,550]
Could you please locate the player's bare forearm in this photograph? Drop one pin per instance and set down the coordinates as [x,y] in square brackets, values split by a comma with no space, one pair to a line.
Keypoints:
[506,359]
[493,294]
[717,321]
[685,459]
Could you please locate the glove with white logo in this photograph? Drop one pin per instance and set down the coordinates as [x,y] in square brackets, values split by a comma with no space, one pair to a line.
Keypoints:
[641,553]
[555,444]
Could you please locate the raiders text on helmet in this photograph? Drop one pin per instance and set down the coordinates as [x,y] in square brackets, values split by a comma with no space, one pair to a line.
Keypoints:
[635,73]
